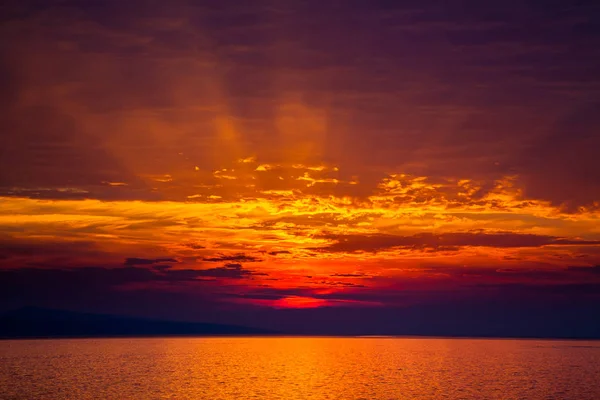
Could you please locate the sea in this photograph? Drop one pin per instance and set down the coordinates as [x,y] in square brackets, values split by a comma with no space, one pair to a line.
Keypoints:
[288,368]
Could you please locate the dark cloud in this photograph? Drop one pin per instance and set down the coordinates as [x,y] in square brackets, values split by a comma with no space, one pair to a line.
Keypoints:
[24,252]
[444,242]
[25,283]
[568,154]
[342,284]
[46,141]
[421,307]
[270,293]
[475,273]
[161,267]
[576,290]
[234,257]
[230,271]
[12,247]
[515,95]
[81,192]
[354,275]
[195,246]
[148,261]
[75,278]
[588,270]
[102,99]
[449,284]
[277,252]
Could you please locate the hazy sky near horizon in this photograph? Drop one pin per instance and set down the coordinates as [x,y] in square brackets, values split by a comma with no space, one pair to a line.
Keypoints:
[237,155]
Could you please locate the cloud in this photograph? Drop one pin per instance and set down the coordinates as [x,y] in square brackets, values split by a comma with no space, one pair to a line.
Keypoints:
[568,153]
[580,290]
[195,246]
[19,248]
[18,252]
[300,126]
[479,273]
[235,257]
[444,242]
[271,293]
[588,270]
[72,282]
[342,284]
[277,252]
[149,56]
[148,261]
[230,271]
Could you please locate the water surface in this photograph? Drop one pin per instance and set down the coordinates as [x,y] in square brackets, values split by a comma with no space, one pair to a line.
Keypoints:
[299,368]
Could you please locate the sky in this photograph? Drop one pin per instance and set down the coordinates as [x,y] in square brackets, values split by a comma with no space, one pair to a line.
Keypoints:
[340,166]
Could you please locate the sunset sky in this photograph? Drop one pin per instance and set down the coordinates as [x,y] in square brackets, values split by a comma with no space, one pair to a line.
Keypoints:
[307,165]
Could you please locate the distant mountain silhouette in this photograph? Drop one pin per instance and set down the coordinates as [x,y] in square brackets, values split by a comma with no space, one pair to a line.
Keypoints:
[31,322]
